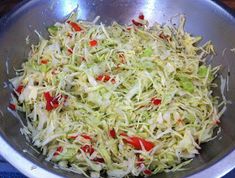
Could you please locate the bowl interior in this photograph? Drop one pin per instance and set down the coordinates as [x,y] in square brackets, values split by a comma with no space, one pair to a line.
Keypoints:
[204,18]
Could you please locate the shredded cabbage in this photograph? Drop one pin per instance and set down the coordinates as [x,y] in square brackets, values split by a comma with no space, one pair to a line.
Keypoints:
[86,92]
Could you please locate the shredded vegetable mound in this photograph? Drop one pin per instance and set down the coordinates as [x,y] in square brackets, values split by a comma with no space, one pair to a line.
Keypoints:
[118,100]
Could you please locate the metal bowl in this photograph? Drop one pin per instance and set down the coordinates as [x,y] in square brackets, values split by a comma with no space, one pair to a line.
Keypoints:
[204,17]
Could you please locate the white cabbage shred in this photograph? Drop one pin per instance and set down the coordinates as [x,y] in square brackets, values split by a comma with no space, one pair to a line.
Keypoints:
[147,82]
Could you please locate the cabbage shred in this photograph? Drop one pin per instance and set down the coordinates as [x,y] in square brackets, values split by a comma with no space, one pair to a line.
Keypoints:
[86,91]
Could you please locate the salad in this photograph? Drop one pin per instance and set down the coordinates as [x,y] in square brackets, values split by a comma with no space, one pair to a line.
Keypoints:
[118,100]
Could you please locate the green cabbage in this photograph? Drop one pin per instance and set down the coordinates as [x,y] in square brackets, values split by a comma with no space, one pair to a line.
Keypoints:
[148,82]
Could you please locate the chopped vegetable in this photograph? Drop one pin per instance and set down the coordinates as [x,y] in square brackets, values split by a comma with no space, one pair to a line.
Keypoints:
[93,43]
[58,151]
[70,51]
[122,58]
[156,101]
[44,61]
[53,29]
[20,89]
[74,26]
[51,102]
[138,24]
[103,78]
[186,84]
[12,106]
[138,143]
[88,149]
[118,100]
[86,137]
[140,162]
[73,137]
[202,71]
[165,37]
[99,160]
[141,16]
[147,172]
[112,133]
[147,52]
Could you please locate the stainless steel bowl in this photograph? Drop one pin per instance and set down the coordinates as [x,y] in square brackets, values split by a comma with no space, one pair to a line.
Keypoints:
[204,17]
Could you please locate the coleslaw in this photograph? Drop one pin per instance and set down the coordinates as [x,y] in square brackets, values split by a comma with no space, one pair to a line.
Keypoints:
[118,100]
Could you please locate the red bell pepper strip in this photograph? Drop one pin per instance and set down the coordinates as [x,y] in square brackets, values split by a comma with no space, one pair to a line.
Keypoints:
[147,172]
[136,142]
[216,122]
[138,24]
[139,161]
[93,43]
[75,26]
[103,78]
[86,136]
[44,61]
[123,134]
[156,101]
[112,133]
[51,102]
[65,98]
[48,96]
[141,16]
[58,151]
[88,149]
[113,81]
[106,78]
[73,137]
[20,89]
[70,51]
[99,160]
[12,106]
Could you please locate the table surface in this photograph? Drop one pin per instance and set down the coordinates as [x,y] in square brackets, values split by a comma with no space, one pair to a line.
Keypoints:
[8,171]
